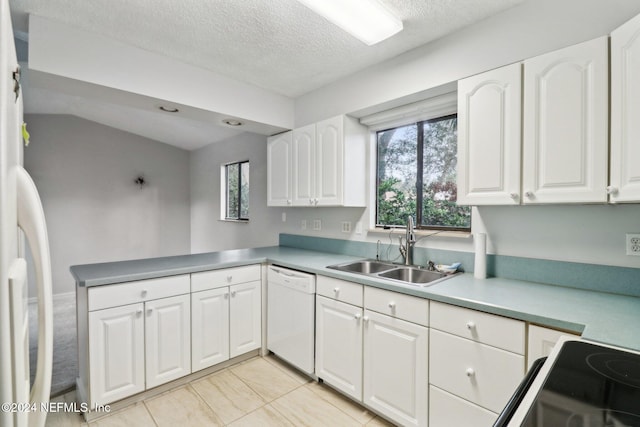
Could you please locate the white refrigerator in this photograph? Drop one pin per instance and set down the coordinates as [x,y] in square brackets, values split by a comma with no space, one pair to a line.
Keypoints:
[20,209]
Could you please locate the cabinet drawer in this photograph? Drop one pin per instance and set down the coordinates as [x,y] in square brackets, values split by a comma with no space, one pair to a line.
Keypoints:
[446,410]
[497,331]
[131,292]
[476,372]
[394,304]
[224,277]
[339,290]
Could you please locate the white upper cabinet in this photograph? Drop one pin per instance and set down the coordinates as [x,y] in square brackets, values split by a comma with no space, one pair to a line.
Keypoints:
[625,113]
[324,164]
[303,168]
[489,137]
[279,152]
[565,143]
[330,170]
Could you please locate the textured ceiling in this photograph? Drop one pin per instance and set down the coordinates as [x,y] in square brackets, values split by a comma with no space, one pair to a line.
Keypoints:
[279,45]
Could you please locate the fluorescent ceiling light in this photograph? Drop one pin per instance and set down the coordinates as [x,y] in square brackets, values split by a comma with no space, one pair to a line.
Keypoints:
[368,20]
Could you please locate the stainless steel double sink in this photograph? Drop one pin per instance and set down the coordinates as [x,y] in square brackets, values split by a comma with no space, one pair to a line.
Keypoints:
[407,274]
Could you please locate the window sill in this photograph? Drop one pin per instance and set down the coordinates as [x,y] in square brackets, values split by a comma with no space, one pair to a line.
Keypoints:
[424,233]
[239,221]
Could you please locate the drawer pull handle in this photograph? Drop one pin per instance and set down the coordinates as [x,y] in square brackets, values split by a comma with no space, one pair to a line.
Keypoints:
[143,293]
[471,326]
[357,316]
[470,372]
[392,305]
[149,311]
[139,312]
[229,278]
[336,290]
[226,295]
[233,294]
[366,319]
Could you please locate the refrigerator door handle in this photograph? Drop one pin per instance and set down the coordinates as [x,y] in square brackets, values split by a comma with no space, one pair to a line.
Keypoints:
[31,221]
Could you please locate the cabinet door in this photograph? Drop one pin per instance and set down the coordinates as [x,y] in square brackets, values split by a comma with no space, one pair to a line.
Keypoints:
[279,170]
[566,125]
[339,345]
[489,137]
[395,368]
[167,339]
[116,353]
[330,161]
[625,113]
[245,318]
[304,168]
[541,341]
[209,328]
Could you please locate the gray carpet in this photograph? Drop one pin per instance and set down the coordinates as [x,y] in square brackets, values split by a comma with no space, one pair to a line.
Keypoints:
[65,346]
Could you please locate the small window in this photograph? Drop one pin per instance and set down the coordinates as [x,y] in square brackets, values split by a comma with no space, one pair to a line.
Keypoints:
[237,191]
[416,176]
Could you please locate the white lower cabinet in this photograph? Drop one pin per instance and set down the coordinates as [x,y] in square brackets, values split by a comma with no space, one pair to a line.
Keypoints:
[395,368]
[476,362]
[447,410]
[226,320]
[339,345]
[245,318]
[117,371]
[167,339]
[540,342]
[209,328]
[138,346]
[374,355]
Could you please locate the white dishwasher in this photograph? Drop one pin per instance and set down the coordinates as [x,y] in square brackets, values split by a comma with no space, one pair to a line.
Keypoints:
[291,316]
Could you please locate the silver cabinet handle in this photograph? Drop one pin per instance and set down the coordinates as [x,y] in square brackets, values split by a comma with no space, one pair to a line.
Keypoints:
[612,190]
[357,316]
[514,196]
[470,372]
[143,294]
[139,312]
[392,305]
[529,195]
[149,311]
[229,278]
[233,294]
[226,295]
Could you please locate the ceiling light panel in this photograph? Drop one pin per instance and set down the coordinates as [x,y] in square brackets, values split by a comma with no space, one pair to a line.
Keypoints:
[367,20]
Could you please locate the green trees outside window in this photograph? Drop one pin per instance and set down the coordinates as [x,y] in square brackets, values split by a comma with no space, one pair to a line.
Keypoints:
[416,175]
[237,177]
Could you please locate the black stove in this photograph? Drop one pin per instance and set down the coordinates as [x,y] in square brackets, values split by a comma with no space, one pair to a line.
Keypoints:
[588,385]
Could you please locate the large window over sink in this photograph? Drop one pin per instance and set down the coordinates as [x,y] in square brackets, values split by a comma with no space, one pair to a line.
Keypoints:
[416,176]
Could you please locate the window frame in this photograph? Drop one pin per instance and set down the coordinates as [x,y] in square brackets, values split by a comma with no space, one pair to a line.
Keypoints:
[419,177]
[225,215]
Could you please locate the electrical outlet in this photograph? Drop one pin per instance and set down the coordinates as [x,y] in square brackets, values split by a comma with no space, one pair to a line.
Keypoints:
[303,224]
[317,225]
[346,226]
[633,244]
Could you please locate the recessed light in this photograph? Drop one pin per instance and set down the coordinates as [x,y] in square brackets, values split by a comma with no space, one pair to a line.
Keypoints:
[168,109]
[232,122]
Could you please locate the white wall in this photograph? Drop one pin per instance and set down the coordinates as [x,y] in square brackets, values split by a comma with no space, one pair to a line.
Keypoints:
[526,30]
[95,212]
[208,232]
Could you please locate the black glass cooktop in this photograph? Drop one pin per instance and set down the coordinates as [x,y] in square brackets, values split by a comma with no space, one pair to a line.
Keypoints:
[589,386]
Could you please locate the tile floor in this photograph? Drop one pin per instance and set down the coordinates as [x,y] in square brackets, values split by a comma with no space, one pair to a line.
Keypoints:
[259,392]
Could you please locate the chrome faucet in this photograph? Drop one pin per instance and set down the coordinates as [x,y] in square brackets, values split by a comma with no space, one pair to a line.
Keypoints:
[406,249]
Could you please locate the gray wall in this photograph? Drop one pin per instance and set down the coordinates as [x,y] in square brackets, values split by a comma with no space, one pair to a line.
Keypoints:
[95,212]
[208,232]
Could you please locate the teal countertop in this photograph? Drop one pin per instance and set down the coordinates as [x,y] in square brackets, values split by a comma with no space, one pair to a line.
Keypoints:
[599,316]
